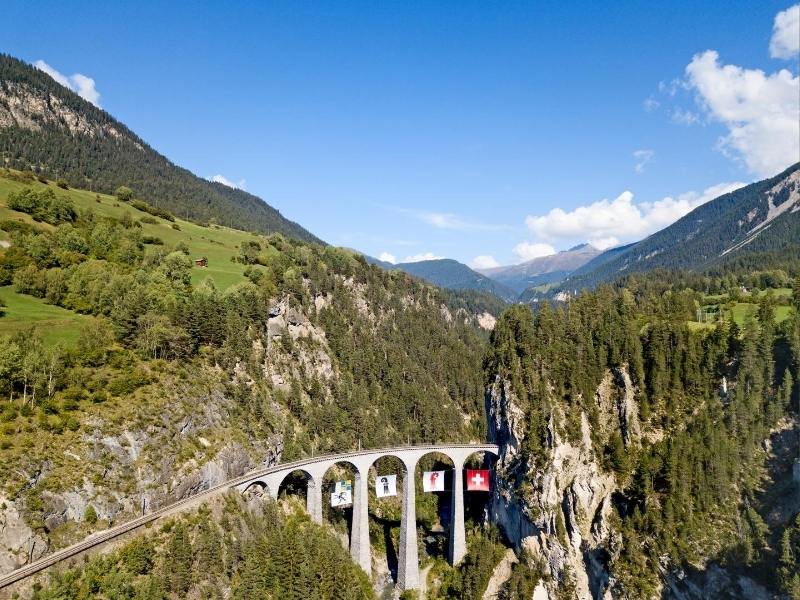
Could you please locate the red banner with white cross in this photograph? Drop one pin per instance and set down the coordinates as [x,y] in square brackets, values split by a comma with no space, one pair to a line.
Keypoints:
[477,480]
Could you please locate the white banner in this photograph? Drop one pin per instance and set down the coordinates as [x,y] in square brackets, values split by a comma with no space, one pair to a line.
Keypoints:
[343,498]
[433,481]
[342,486]
[386,485]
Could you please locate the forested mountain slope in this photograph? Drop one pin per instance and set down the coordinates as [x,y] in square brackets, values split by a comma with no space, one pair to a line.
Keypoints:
[175,384]
[451,274]
[658,455]
[750,226]
[50,129]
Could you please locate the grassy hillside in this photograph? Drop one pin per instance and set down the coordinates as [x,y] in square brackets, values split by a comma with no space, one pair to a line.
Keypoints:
[219,244]
[55,324]
[743,308]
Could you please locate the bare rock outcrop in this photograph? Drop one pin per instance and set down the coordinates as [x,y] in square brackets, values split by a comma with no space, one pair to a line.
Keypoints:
[19,544]
[559,512]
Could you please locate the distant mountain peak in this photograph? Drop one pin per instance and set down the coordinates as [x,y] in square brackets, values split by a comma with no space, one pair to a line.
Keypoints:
[753,224]
[449,273]
[583,246]
[544,269]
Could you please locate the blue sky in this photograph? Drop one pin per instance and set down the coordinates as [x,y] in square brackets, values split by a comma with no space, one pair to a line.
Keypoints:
[463,129]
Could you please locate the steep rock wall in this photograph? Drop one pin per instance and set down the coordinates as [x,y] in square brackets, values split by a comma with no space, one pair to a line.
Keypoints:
[559,512]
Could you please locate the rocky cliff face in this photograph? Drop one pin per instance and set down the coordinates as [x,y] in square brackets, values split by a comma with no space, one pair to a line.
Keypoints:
[560,516]
[560,513]
[129,472]
[23,106]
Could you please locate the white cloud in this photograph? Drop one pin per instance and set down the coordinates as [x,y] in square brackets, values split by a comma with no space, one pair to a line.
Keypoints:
[442,220]
[759,110]
[81,84]
[240,185]
[785,42]
[484,261]
[85,88]
[530,250]
[422,256]
[671,88]
[605,243]
[651,104]
[642,158]
[684,116]
[386,257]
[607,222]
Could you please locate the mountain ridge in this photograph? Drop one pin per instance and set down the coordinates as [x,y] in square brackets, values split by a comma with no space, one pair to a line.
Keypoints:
[757,219]
[543,269]
[449,273]
[49,129]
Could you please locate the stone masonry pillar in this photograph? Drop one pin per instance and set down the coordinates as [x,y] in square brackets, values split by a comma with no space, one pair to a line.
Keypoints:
[458,541]
[408,561]
[359,535]
[314,499]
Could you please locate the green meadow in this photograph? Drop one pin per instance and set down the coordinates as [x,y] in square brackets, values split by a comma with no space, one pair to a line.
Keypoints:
[56,324]
[218,244]
[742,311]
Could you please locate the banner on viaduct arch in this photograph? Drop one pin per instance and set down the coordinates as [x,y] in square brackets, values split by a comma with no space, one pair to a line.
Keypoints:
[408,558]
[315,468]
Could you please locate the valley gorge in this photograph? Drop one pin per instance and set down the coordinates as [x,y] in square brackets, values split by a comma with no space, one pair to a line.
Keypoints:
[162,335]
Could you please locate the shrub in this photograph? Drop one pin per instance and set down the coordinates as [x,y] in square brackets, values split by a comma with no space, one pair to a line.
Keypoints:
[43,205]
[153,240]
[90,515]
[176,227]
[148,219]
[49,408]
[20,176]
[153,210]
[127,383]
[124,193]
[62,184]
[70,404]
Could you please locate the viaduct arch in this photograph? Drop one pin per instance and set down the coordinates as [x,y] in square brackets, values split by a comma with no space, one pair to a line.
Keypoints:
[315,469]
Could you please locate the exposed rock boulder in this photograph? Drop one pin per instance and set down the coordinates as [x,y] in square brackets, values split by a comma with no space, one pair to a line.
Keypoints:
[19,544]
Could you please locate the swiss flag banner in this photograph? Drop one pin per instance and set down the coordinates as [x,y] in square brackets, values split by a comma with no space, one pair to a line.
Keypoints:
[477,480]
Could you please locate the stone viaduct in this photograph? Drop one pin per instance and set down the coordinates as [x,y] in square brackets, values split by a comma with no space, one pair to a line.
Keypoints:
[315,468]
[408,561]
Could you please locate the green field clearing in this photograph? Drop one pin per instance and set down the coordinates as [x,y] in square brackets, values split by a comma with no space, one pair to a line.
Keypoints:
[219,244]
[742,313]
[722,298]
[56,324]
[777,292]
